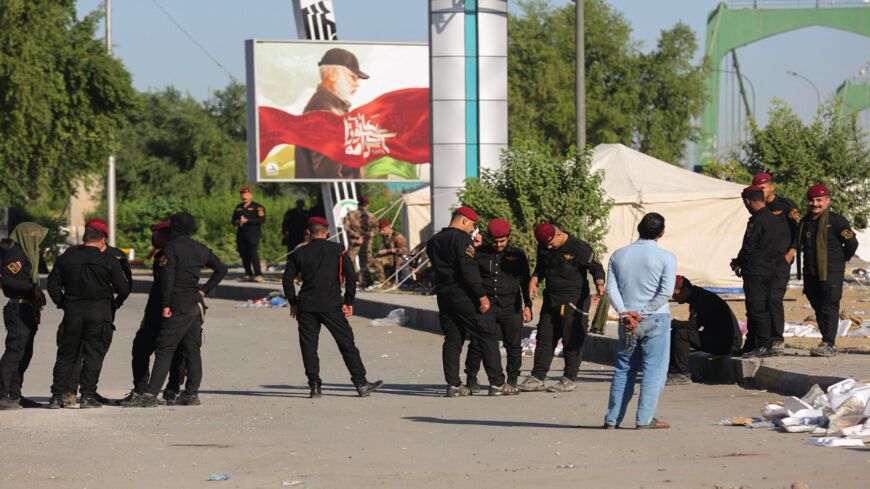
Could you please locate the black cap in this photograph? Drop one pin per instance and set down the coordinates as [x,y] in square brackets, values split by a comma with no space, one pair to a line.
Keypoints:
[342,57]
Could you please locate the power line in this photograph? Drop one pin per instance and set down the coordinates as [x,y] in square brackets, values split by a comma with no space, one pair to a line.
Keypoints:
[192,39]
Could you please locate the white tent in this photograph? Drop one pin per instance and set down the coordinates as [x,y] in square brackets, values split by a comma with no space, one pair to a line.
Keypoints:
[417,216]
[704,217]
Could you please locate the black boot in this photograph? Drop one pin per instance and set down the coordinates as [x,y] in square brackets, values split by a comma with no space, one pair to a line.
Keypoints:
[55,402]
[316,391]
[170,396]
[187,398]
[365,389]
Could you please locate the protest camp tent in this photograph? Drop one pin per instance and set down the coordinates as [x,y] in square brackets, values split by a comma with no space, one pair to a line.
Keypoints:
[704,217]
[417,216]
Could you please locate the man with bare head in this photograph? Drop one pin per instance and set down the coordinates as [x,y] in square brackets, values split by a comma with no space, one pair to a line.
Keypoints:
[339,80]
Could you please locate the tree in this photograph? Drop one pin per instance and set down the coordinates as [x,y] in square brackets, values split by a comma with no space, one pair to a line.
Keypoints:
[533,186]
[61,98]
[831,150]
[646,101]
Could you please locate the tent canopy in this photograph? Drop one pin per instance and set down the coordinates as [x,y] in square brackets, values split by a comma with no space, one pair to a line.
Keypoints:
[704,217]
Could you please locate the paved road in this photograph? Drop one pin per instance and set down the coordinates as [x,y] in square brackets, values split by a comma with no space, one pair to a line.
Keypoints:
[257,425]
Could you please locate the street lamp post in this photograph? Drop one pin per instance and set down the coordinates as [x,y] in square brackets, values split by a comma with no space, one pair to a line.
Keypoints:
[798,75]
[110,184]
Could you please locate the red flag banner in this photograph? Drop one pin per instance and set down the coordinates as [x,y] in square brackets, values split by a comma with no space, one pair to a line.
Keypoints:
[396,124]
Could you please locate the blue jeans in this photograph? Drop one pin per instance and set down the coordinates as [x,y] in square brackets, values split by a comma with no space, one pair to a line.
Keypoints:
[652,353]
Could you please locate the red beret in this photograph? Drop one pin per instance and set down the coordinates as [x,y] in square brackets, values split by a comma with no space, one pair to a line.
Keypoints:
[318,221]
[160,225]
[99,224]
[498,228]
[384,223]
[467,212]
[544,232]
[361,200]
[245,190]
[750,190]
[817,190]
[761,178]
[678,283]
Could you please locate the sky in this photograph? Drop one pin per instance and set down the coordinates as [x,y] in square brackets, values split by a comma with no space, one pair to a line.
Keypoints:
[158,54]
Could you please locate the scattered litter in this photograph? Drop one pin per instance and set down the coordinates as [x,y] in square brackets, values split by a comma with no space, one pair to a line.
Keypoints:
[839,417]
[292,483]
[219,477]
[798,330]
[565,466]
[274,299]
[384,355]
[396,317]
[528,345]
[828,441]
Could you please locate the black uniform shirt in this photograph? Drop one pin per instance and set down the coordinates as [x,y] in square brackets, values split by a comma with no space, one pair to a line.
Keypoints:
[179,267]
[786,209]
[457,276]
[842,244]
[324,266]
[505,274]
[765,243]
[715,320]
[155,303]
[122,259]
[565,269]
[84,274]
[16,274]
[254,213]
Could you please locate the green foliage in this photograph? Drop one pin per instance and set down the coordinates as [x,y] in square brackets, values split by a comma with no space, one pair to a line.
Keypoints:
[643,100]
[533,186]
[61,98]
[832,150]
[731,170]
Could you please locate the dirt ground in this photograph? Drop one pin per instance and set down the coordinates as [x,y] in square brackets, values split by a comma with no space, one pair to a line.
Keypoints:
[257,425]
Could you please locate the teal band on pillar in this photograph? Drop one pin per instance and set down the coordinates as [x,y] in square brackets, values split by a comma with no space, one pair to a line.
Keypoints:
[472,116]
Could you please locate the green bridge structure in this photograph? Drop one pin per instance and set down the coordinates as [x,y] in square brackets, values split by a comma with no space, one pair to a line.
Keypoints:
[743,23]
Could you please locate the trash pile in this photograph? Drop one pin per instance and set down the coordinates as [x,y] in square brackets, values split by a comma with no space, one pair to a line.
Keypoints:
[850,325]
[396,317]
[839,417]
[531,342]
[274,299]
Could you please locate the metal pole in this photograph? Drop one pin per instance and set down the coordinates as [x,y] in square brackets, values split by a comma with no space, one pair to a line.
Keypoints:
[818,96]
[580,76]
[110,186]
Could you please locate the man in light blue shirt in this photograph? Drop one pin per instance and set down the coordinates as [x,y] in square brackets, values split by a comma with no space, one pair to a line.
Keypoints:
[640,280]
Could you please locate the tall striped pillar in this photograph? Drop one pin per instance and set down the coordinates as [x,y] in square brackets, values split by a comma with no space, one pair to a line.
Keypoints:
[468,69]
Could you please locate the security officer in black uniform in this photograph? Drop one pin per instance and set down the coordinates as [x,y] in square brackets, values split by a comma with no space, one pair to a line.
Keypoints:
[101,225]
[324,267]
[20,281]
[248,217]
[505,273]
[463,306]
[82,283]
[765,243]
[145,341]
[183,310]
[824,263]
[787,210]
[563,262]
[711,327]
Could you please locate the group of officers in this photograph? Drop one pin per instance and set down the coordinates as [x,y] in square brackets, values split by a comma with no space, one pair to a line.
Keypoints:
[484,291]
[361,226]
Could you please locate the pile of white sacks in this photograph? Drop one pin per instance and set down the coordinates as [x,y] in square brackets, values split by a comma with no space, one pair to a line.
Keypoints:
[838,417]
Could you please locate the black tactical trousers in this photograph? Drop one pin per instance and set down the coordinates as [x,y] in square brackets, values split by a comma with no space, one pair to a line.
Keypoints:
[21,321]
[461,320]
[339,328]
[825,298]
[778,287]
[557,322]
[86,328]
[182,331]
[763,298]
[247,245]
[685,338]
[144,345]
[508,313]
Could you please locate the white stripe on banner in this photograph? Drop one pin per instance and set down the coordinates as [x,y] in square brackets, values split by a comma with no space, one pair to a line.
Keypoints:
[319,19]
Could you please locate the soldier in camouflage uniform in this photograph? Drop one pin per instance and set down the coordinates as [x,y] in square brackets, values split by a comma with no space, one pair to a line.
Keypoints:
[393,248]
[360,227]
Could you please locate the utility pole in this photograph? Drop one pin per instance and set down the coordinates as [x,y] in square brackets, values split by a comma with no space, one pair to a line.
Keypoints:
[110,184]
[580,77]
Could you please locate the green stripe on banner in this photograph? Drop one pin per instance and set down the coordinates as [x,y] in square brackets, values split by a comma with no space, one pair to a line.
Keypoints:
[472,160]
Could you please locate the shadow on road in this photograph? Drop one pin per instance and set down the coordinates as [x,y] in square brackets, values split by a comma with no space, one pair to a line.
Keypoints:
[485,422]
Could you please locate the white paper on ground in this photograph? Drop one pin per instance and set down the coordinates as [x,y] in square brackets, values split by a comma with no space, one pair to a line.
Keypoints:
[793,405]
[843,327]
[834,442]
[800,428]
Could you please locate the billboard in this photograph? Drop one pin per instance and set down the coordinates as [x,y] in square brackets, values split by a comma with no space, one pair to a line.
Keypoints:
[324,111]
